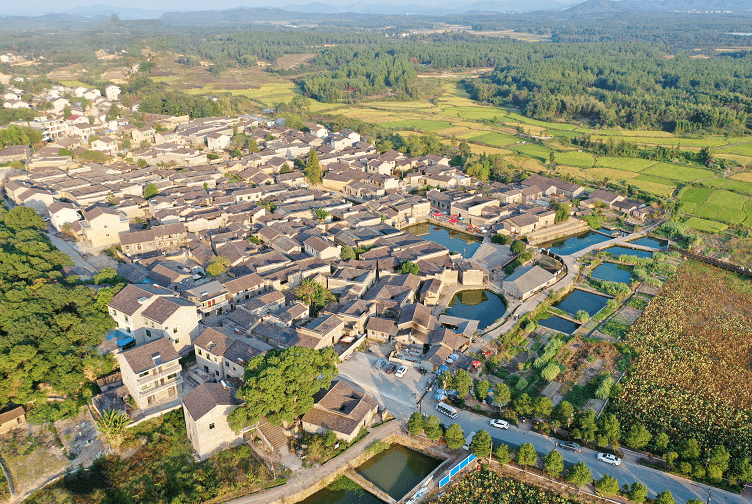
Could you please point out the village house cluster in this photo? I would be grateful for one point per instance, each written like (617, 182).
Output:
(258, 218)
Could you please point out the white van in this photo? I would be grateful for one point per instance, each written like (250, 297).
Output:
(468, 441)
(447, 410)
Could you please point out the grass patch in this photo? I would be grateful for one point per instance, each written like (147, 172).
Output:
(741, 149)
(420, 124)
(738, 186)
(705, 225)
(612, 173)
(748, 211)
(580, 395)
(615, 329)
(533, 150)
(496, 139)
(676, 172)
(742, 177)
(658, 189)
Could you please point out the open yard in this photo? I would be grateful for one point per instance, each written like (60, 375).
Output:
(32, 456)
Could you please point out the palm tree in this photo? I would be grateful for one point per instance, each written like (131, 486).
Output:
(321, 214)
(112, 425)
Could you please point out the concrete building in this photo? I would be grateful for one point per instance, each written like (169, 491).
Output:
(206, 409)
(152, 372)
(526, 281)
(102, 226)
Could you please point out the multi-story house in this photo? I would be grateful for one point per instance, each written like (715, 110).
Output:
(206, 409)
(152, 372)
(210, 299)
(221, 356)
(102, 226)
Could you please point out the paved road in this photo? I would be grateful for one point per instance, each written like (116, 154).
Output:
(360, 371)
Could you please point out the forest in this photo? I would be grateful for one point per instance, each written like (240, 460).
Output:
(48, 325)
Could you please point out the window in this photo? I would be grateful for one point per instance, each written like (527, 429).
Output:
(216, 373)
(211, 426)
(227, 364)
(126, 318)
(146, 386)
(143, 374)
(199, 351)
(148, 333)
(174, 331)
(114, 313)
(177, 340)
(173, 375)
(128, 329)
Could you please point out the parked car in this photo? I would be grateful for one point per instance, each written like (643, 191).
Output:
(389, 369)
(380, 363)
(499, 424)
(401, 371)
(570, 445)
(609, 459)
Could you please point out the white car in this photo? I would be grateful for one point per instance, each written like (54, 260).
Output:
(609, 459)
(400, 372)
(499, 424)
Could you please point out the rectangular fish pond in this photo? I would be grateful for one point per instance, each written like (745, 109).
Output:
(398, 470)
(559, 324)
(582, 300)
(482, 305)
(343, 490)
(574, 243)
(649, 242)
(612, 272)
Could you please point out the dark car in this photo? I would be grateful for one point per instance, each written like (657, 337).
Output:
(570, 445)
(390, 368)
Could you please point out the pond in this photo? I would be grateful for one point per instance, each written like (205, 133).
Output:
(618, 250)
(559, 324)
(582, 300)
(649, 242)
(482, 305)
(455, 241)
(612, 272)
(342, 491)
(575, 243)
(397, 470)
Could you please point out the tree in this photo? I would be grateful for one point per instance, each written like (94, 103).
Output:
(150, 190)
(112, 425)
(142, 163)
(67, 111)
(347, 252)
(607, 485)
(432, 427)
(313, 168)
(563, 412)
(582, 316)
(280, 384)
(550, 372)
(481, 390)
(23, 217)
(554, 463)
(609, 428)
(604, 389)
(526, 455)
(542, 407)
(689, 449)
(415, 423)
(670, 458)
(217, 265)
(501, 394)
(481, 444)
(321, 214)
(518, 247)
(579, 474)
(661, 441)
(501, 239)
(455, 438)
(330, 438)
(637, 493)
(743, 469)
(314, 294)
(714, 473)
(502, 454)
(586, 425)
(523, 405)
(720, 457)
(409, 267)
(664, 497)
(637, 437)
(461, 382)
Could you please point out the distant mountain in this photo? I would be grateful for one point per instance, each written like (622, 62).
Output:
(108, 10)
(597, 8)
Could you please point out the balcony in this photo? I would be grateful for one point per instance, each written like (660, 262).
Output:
(154, 375)
(174, 382)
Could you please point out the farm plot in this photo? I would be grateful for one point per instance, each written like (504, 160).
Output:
(533, 150)
(742, 177)
(611, 173)
(573, 158)
(676, 172)
(727, 199)
(748, 210)
(744, 149)
(573, 171)
(694, 195)
(487, 486)
(692, 378)
(653, 187)
(705, 225)
(419, 124)
(738, 186)
(497, 139)
(628, 164)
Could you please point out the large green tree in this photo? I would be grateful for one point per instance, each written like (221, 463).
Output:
(455, 438)
(526, 455)
(313, 168)
(481, 444)
(281, 384)
(554, 463)
(314, 294)
(579, 474)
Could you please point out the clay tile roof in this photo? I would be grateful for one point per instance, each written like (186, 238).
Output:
(213, 341)
(12, 414)
(162, 308)
(127, 300)
(204, 398)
